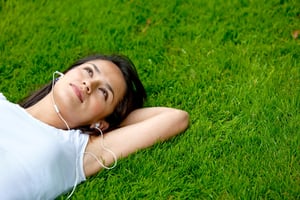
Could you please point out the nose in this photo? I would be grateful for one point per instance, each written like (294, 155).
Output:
(87, 86)
(90, 85)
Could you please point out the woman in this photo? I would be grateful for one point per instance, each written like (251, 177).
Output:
(54, 141)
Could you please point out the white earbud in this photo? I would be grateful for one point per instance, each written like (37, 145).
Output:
(97, 125)
(59, 73)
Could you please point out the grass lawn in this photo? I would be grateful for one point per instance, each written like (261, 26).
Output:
(233, 65)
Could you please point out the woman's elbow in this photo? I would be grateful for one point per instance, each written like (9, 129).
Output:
(183, 120)
(176, 122)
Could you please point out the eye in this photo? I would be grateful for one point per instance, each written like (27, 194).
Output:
(104, 92)
(89, 71)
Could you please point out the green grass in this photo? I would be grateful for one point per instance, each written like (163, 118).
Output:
(233, 65)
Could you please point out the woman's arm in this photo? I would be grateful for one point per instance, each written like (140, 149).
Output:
(141, 129)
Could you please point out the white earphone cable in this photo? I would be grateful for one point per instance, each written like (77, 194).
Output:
(89, 153)
(67, 125)
(55, 106)
(106, 149)
(76, 179)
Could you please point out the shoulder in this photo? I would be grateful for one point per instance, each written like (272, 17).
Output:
(2, 97)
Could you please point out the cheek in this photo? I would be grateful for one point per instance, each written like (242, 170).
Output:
(97, 109)
(74, 75)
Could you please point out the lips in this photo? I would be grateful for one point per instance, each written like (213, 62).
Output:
(77, 92)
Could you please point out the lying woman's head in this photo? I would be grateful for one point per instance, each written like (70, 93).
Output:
(102, 87)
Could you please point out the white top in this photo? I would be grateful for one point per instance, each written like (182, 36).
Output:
(37, 161)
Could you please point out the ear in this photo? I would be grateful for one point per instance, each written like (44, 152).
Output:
(103, 125)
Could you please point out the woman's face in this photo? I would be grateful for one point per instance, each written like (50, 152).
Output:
(90, 92)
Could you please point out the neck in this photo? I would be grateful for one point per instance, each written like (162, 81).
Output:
(44, 111)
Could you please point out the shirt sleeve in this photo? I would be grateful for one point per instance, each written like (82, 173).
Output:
(2, 97)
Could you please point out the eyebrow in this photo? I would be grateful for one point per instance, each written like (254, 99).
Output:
(99, 72)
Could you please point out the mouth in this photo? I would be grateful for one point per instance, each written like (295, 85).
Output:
(77, 92)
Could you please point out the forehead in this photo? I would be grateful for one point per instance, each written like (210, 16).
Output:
(106, 68)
